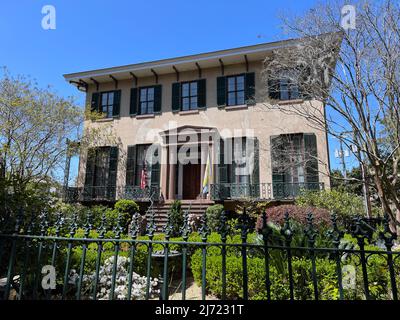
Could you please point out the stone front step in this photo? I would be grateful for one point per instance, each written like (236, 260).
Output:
(196, 207)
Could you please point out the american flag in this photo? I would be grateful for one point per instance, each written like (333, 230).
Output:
(143, 177)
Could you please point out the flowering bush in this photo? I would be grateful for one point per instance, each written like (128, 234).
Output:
(194, 221)
(121, 281)
(296, 213)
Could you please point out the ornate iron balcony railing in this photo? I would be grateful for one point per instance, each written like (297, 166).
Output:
(73, 194)
(261, 191)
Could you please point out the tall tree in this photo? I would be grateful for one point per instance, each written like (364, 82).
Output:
(354, 69)
(34, 126)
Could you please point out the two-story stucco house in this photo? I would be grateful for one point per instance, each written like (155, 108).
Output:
(210, 103)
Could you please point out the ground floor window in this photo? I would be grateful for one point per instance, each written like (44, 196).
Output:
(294, 163)
(143, 165)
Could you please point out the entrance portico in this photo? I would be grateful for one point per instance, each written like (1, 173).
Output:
(185, 152)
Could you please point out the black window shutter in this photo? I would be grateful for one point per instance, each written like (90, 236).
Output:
(94, 105)
(255, 176)
(278, 176)
(89, 173)
(116, 103)
(176, 97)
(201, 93)
(304, 85)
(133, 102)
(311, 160)
(157, 99)
(222, 166)
(273, 89)
(250, 88)
(221, 91)
(155, 168)
(130, 166)
(112, 173)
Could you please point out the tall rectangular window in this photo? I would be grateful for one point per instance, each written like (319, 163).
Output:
(147, 160)
(146, 100)
(236, 90)
(107, 103)
(294, 163)
(288, 90)
(189, 96)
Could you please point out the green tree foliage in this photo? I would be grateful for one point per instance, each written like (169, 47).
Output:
(34, 126)
(344, 204)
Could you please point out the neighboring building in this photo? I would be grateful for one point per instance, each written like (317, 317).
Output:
(203, 96)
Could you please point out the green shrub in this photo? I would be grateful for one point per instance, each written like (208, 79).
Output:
(176, 217)
(327, 282)
(126, 206)
(302, 279)
(214, 216)
(125, 209)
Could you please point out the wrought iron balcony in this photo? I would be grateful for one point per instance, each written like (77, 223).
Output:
(138, 194)
(86, 194)
(261, 191)
(91, 193)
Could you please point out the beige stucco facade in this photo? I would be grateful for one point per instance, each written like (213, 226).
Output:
(228, 121)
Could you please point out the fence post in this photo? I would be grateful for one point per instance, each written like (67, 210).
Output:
(287, 232)
(135, 229)
(360, 234)
(204, 232)
(244, 227)
(185, 231)
(88, 227)
(311, 235)
(11, 263)
(43, 229)
(266, 232)
(118, 231)
(336, 235)
(102, 234)
(151, 227)
(223, 231)
(72, 232)
(167, 231)
(388, 237)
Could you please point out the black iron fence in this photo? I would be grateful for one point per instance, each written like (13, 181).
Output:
(65, 257)
(260, 191)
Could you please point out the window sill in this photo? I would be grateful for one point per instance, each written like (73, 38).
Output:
(188, 112)
(288, 102)
(104, 120)
(145, 116)
(238, 107)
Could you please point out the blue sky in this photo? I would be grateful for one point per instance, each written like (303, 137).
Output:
(97, 34)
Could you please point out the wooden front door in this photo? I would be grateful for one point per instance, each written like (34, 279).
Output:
(191, 181)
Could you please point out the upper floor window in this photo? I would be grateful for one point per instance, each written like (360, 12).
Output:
(189, 96)
(289, 89)
(235, 90)
(288, 85)
(107, 102)
(146, 100)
